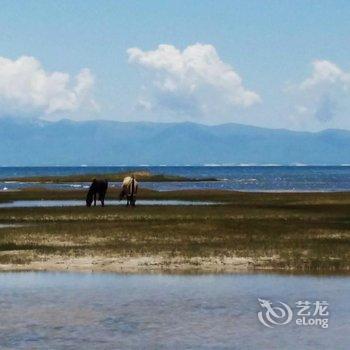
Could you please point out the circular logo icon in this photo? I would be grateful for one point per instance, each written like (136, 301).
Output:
(274, 315)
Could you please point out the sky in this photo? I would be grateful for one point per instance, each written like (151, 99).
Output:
(275, 64)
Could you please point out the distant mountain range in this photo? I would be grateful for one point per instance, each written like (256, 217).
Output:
(35, 143)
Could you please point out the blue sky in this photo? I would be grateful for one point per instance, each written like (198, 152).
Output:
(266, 63)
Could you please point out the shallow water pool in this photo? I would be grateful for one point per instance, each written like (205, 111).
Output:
(78, 203)
(9, 225)
(111, 311)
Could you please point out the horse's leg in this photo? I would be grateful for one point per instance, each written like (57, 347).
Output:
(101, 197)
(95, 199)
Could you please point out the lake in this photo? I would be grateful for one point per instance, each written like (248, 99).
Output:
(241, 178)
(111, 311)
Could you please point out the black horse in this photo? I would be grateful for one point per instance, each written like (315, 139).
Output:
(97, 187)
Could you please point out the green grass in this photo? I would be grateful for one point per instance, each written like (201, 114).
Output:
(289, 232)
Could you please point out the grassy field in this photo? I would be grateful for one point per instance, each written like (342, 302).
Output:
(298, 232)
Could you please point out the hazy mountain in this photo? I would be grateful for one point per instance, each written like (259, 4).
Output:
(34, 142)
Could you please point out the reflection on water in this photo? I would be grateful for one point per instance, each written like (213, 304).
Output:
(77, 203)
(109, 311)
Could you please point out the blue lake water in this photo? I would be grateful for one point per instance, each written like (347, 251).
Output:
(242, 178)
(111, 311)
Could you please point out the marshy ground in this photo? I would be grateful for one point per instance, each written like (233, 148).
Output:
(298, 232)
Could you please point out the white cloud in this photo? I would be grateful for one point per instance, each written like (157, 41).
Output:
(194, 82)
(144, 105)
(324, 96)
(325, 73)
(26, 88)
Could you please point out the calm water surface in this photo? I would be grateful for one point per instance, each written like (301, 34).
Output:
(110, 311)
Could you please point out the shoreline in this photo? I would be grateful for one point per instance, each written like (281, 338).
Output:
(142, 176)
(144, 265)
(134, 265)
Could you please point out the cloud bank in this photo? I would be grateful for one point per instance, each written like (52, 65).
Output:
(26, 88)
(324, 95)
(194, 82)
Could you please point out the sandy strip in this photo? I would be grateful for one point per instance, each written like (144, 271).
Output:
(142, 264)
